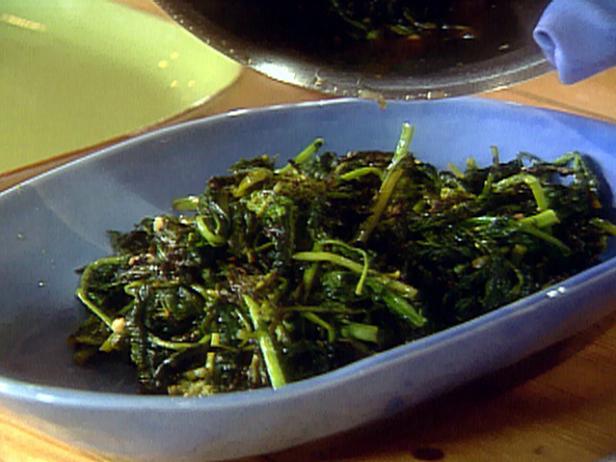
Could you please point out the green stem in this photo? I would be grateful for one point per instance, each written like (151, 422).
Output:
(471, 163)
(529, 229)
(303, 156)
(525, 227)
(310, 273)
(329, 257)
(404, 309)
(266, 344)
(210, 236)
(406, 290)
(542, 219)
(392, 175)
(604, 225)
(186, 204)
(455, 170)
(398, 286)
(315, 319)
(364, 273)
(360, 331)
(81, 295)
(82, 291)
(359, 172)
(495, 156)
(487, 186)
(252, 178)
(177, 346)
(532, 182)
(323, 309)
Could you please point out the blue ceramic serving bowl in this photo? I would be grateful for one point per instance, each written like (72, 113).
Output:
(57, 222)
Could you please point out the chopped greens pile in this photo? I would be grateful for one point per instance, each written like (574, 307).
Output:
(272, 275)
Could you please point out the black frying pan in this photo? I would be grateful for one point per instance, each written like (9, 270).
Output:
(299, 42)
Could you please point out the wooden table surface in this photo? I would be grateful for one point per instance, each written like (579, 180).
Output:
(558, 405)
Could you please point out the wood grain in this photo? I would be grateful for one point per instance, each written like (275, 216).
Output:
(559, 405)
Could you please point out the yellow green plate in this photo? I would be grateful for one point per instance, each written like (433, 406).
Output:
(74, 73)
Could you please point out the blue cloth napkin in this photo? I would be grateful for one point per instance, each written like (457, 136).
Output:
(578, 37)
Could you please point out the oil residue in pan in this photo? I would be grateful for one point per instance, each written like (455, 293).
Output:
(460, 32)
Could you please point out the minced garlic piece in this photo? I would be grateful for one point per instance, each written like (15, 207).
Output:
(159, 224)
(118, 325)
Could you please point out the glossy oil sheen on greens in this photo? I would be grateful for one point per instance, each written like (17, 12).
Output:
(272, 275)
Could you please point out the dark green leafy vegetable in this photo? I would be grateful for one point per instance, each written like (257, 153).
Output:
(274, 274)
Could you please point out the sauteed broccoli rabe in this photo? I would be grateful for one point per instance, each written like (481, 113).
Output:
(272, 275)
